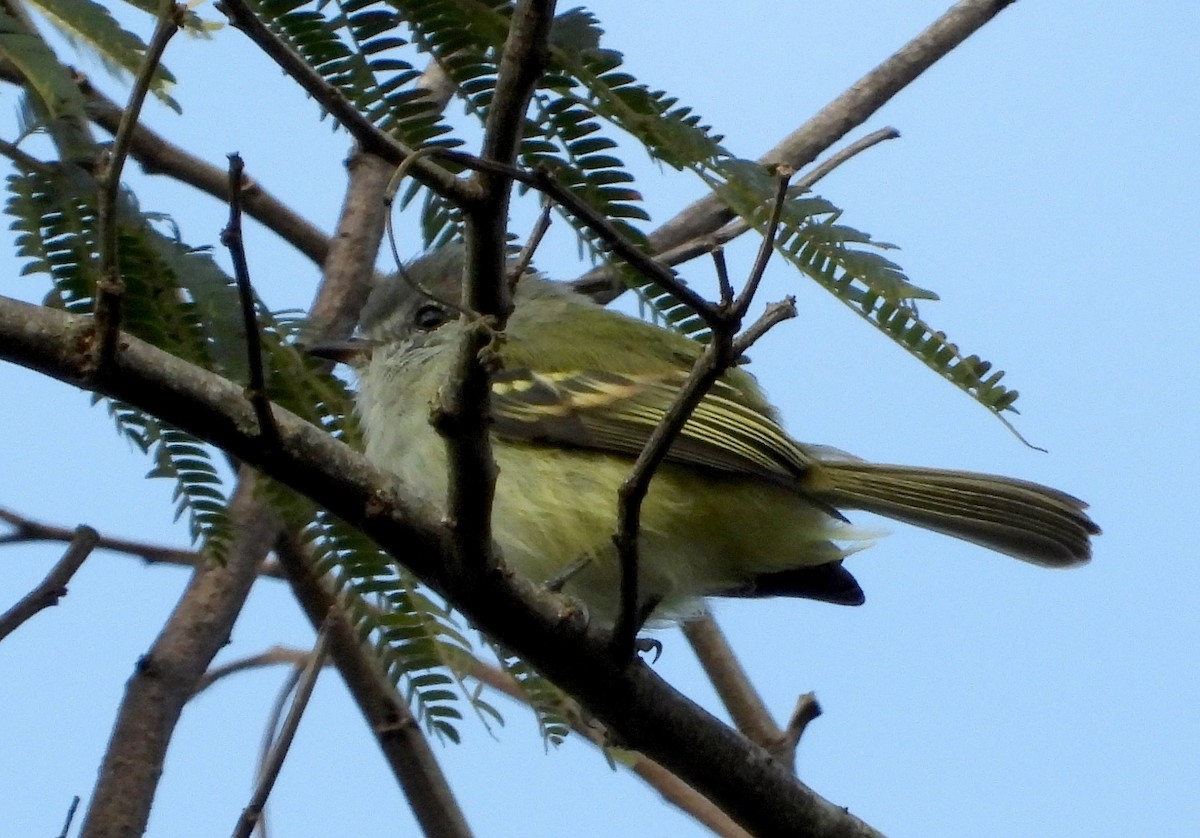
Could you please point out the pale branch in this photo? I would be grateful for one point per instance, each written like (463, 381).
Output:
(369, 137)
(733, 687)
(632, 701)
(26, 530)
(388, 716)
(849, 110)
(270, 727)
(274, 656)
(54, 586)
(274, 761)
(166, 676)
(807, 709)
(350, 261)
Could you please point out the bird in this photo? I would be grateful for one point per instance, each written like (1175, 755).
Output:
(737, 509)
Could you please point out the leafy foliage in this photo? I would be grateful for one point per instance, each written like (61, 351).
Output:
(353, 47)
(418, 641)
(92, 26)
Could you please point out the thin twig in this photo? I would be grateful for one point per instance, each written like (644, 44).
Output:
(722, 352)
(765, 248)
(231, 237)
(110, 288)
(271, 728)
(27, 530)
(274, 761)
(54, 586)
(531, 244)
(70, 817)
(274, 656)
(722, 269)
(807, 709)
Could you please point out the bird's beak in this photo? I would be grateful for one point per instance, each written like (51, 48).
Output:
(351, 351)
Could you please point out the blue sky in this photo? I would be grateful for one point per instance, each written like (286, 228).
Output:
(1045, 186)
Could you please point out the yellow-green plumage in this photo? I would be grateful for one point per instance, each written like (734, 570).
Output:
(738, 508)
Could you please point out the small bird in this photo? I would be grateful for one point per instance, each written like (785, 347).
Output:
(737, 509)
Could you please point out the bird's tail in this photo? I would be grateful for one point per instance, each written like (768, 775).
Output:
(1024, 520)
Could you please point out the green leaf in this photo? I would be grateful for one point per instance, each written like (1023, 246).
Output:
(49, 78)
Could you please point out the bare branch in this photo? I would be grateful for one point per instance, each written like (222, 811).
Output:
(26, 530)
(274, 760)
(231, 237)
(54, 586)
(70, 817)
(722, 352)
(350, 262)
(166, 676)
(807, 709)
(843, 114)
(273, 656)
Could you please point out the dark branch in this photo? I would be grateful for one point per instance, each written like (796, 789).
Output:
(231, 237)
(54, 586)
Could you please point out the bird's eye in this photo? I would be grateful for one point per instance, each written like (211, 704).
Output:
(430, 316)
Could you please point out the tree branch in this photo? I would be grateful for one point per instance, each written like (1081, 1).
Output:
(274, 761)
(637, 705)
(404, 746)
(26, 530)
(166, 676)
(54, 586)
(849, 110)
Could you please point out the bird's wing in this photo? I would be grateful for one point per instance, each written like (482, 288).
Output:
(616, 412)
